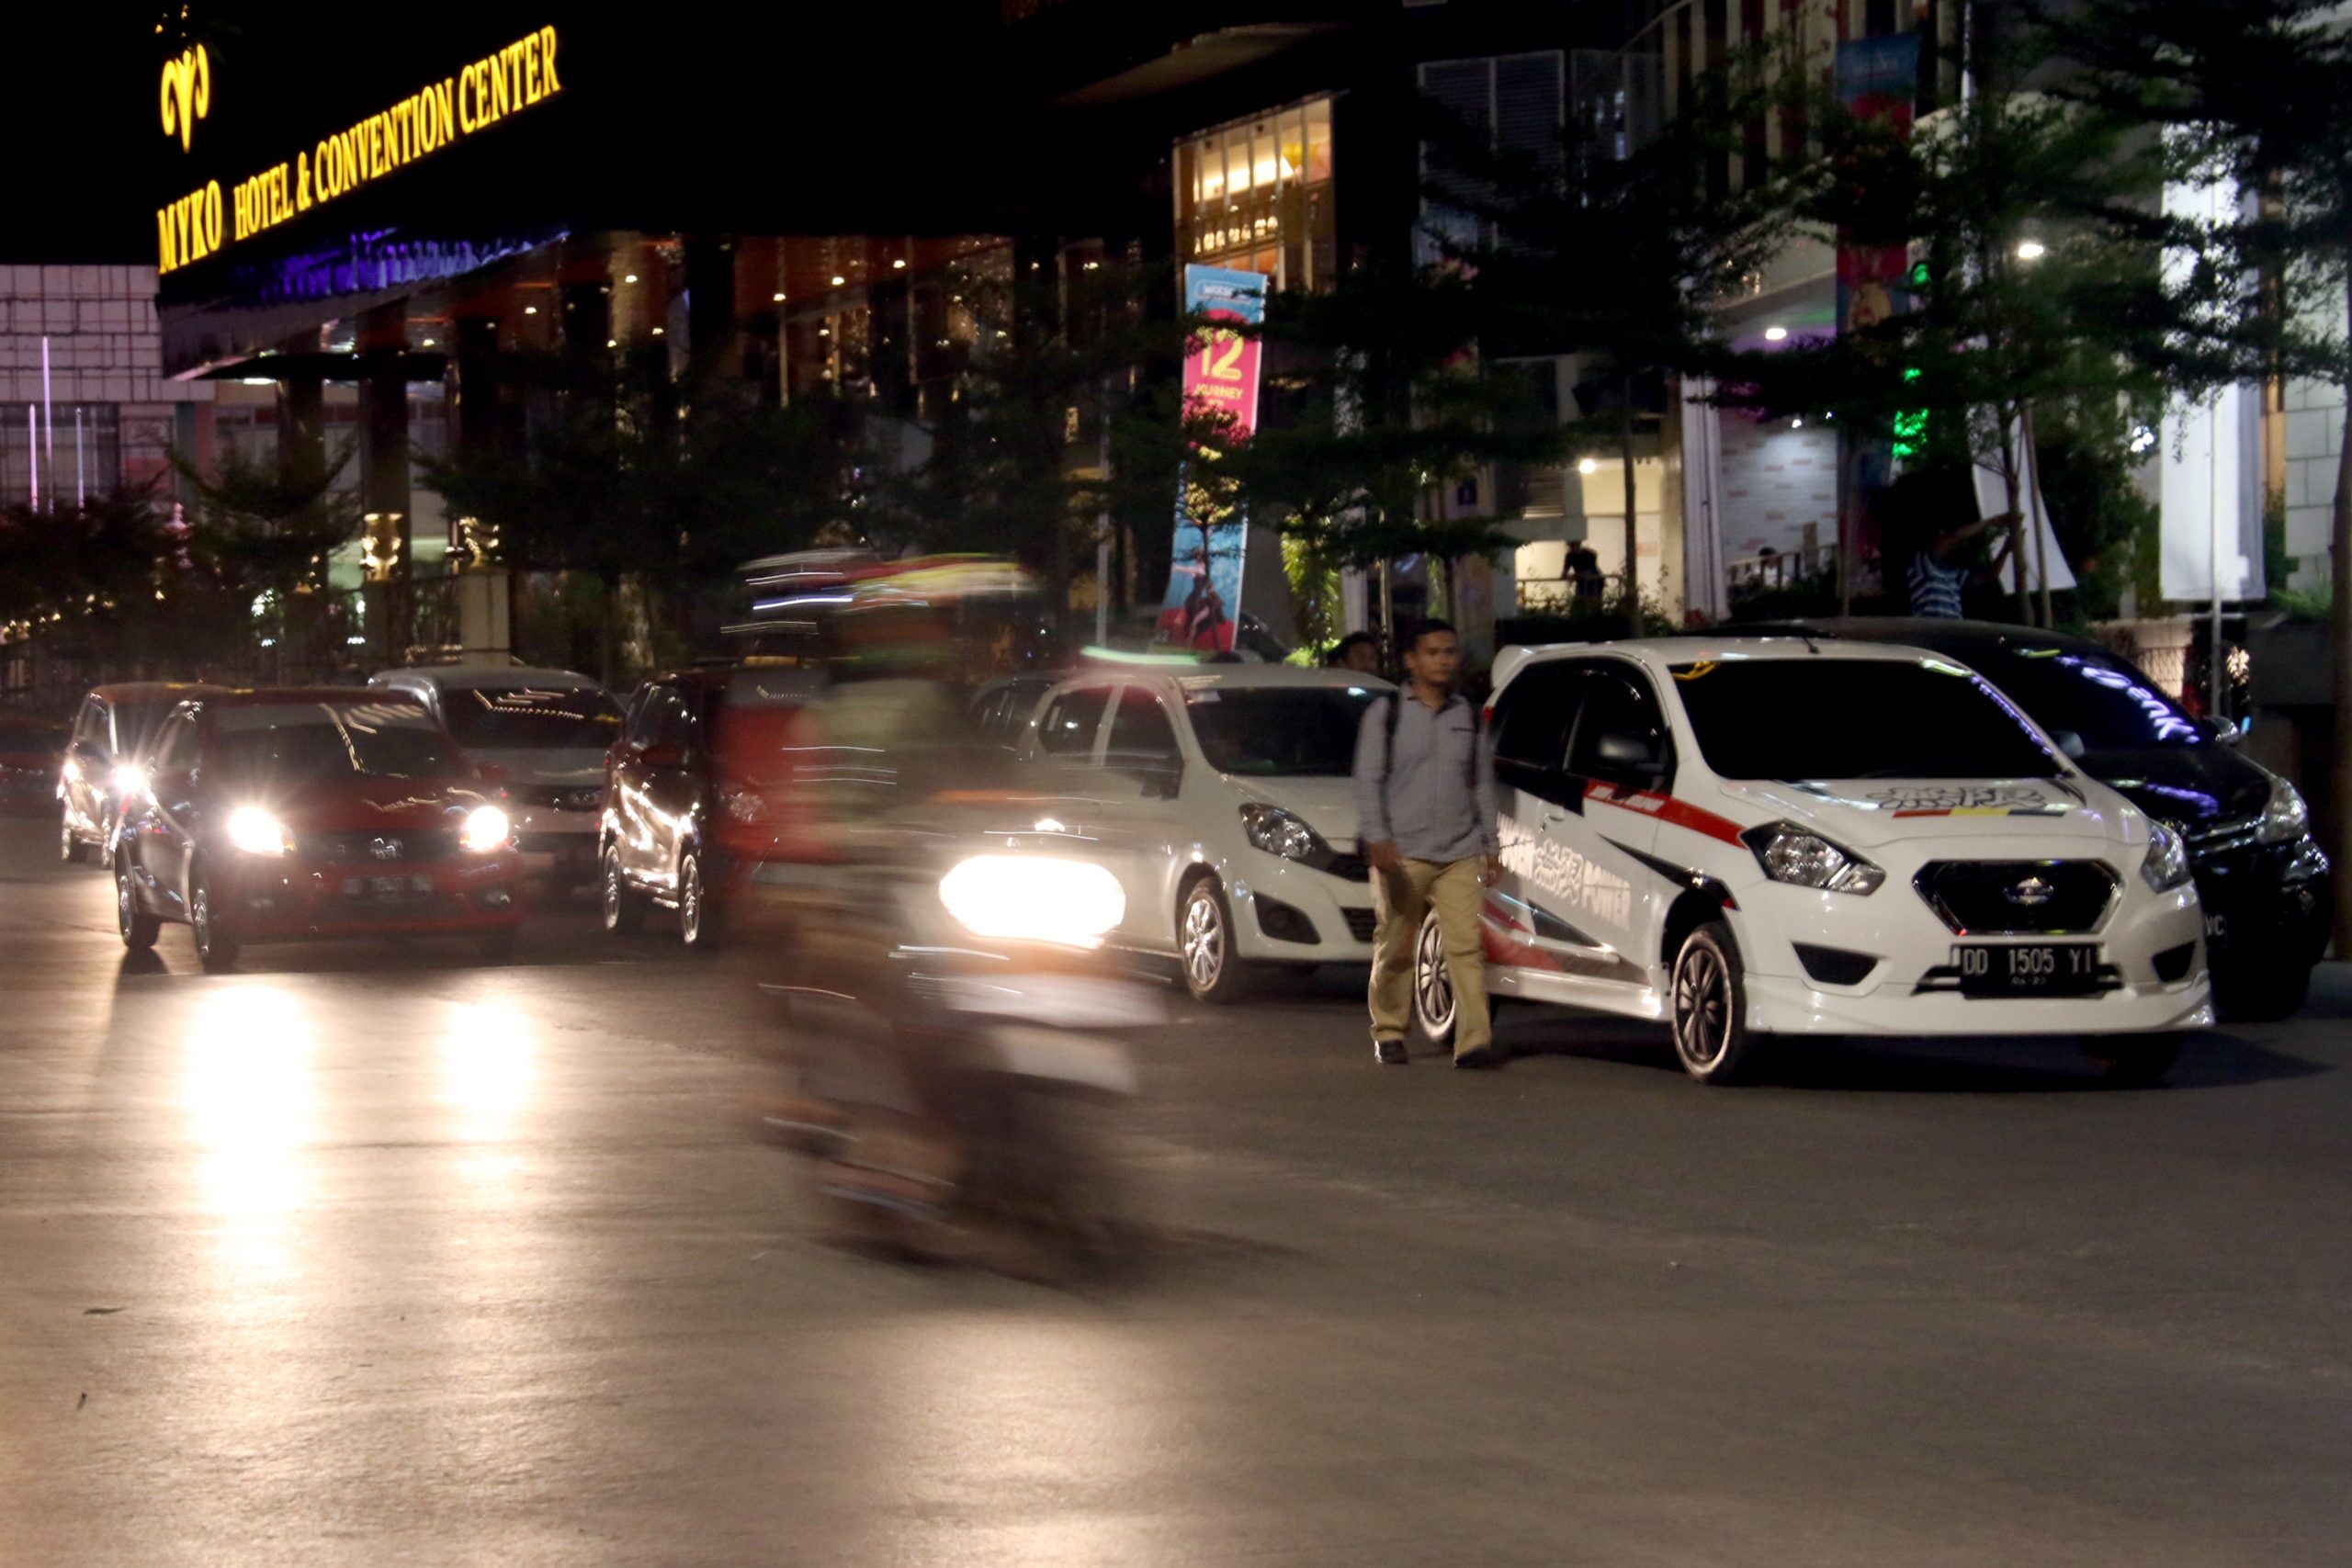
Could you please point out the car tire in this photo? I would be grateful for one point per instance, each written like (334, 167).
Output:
(2263, 991)
(623, 907)
(215, 948)
(1212, 974)
(698, 921)
(2132, 1061)
(1707, 1007)
(71, 851)
(139, 929)
(1433, 984)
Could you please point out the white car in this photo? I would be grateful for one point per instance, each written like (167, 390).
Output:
(547, 731)
(1245, 769)
(1751, 838)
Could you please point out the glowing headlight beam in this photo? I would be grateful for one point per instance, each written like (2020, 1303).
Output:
(1072, 903)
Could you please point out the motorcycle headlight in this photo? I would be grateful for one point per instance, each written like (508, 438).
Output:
(256, 832)
(1803, 859)
(1278, 832)
(128, 780)
(2167, 865)
(2286, 818)
(1073, 903)
(485, 829)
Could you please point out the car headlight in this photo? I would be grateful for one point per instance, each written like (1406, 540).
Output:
(485, 829)
(1278, 832)
(256, 832)
(1074, 902)
(2286, 818)
(1803, 859)
(128, 780)
(2167, 865)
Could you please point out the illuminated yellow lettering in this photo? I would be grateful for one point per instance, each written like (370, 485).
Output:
(302, 181)
(166, 256)
(444, 97)
(547, 60)
(502, 102)
(244, 209)
(512, 55)
(212, 215)
(531, 69)
(375, 146)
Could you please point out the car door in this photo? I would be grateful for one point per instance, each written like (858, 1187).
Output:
(1621, 761)
(1144, 761)
(1564, 910)
(172, 814)
(87, 781)
(637, 841)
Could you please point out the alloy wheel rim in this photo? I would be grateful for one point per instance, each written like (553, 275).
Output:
(123, 909)
(611, 891)
(1434, 986)
(1203, 942)
(1702, 1008)
(200, 917)
(690, 901)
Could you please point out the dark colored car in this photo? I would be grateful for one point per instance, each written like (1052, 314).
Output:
(2264, 881)
(105, 764)
(700, 785)
(296, 814)
(32, 750)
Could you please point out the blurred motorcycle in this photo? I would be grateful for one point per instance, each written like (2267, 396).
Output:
(954, 1018)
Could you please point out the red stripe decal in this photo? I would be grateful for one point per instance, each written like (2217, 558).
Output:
(1667, 809)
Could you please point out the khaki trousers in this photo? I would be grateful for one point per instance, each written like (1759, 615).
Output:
(1403, 899)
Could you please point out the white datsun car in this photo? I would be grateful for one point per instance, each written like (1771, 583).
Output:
(1767, 836)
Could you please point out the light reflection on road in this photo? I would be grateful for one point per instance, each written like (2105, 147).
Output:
(249, 1088)
(489, 1069)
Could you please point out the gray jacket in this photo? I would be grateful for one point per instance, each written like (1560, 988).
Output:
(1418, 790)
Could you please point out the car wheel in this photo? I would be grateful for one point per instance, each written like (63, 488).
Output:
(70, 849)
(2128, 1061)
(624, 906)
(139, 929)
(2261, 991)
(698, 922)
(1205, 945)
(215, 948)
(1433, 984)
(1707, 1005)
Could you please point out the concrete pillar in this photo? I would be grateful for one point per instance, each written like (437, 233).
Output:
(381, 344)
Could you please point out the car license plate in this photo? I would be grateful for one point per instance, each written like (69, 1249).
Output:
(386, 887)
(2027, 969)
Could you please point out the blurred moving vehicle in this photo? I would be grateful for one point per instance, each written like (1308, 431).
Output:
(296, 814)
(545, 732)
(952, 1008)
(32, 757)
(105, 764)
(2264, 883)
(1747, 838)
(1001, 709)
(1247, 768)
(655, 842)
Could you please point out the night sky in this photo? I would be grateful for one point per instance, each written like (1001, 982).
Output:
(80, 113)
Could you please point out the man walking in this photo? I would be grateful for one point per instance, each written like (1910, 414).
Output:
(1425, 795)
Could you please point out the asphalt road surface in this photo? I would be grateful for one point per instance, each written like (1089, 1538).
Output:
(376, 1255)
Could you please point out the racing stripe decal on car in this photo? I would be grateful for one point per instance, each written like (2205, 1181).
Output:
(1682, 876)
(1666, 808)
(1512, 945)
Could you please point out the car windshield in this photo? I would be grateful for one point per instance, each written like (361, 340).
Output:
(1279, 732)
(136, 723)
(1854, 719)
(293, 741)
(2097, 696)
(531, 719)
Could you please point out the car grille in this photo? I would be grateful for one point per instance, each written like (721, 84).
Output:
(1362, 924)
(2221, 838)
(570, 797)
(362, 848)
(2017, 897)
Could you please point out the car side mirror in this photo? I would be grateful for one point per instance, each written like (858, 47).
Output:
(2070, 743)
(1629, 751)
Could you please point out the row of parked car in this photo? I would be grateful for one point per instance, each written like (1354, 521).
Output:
(1840, 828)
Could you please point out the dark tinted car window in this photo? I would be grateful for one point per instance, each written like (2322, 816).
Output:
(279, 742)
(1279, 732)
(1068, 729)
(531, 717)
(1850, 719)
(1532, 730)
(2098, 696)
(1140, 730)
(1618, 703)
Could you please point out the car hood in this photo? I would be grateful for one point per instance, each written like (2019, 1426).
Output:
(354, 804)
(1326, 804)
(1860, 813)
(2190, 786)
(543, 764)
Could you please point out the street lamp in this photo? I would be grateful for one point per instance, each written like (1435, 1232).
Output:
(2031, 249)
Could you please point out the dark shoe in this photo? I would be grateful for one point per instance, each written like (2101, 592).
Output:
(1388, 1052)
(1483, 1058)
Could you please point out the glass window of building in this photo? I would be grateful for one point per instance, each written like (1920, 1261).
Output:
(1256, 195)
